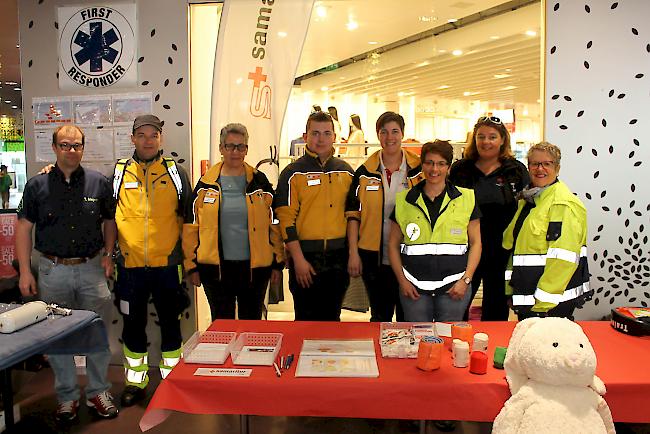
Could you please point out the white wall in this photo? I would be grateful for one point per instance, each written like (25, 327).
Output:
(599, 117)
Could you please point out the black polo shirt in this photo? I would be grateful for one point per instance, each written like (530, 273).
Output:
(68, 215)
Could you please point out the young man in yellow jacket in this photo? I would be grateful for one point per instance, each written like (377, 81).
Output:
(310, 204)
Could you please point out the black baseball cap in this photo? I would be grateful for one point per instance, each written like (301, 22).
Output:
(152, 120)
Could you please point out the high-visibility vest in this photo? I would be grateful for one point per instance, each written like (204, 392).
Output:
(548, 264)
(434, 258)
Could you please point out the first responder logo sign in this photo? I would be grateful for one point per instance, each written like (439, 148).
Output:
(97, 46)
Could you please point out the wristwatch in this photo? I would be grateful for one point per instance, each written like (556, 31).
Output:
(467, 280)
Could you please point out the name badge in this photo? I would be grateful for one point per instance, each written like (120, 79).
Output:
(455, 231)
(209, 199)
(130, 185)
(312, 182)
(372, 188)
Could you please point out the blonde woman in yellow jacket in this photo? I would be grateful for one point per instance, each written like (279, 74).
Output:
(230, 243)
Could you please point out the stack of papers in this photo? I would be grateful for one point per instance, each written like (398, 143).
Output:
(337, 358)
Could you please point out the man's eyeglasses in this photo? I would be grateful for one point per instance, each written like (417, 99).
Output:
(441, 164)
(67, 146)
(241, 147)
(538, 164)
(491, 119)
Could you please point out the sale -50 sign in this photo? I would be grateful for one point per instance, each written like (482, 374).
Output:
(7, 244)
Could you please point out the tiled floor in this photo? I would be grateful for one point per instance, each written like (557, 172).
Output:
(37, 400)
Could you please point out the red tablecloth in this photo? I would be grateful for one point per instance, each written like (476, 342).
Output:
(401, 392)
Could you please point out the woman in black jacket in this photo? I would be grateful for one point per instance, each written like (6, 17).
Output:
(496, 176)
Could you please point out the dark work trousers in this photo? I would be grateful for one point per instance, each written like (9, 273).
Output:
(382, 287)
(491, 270)
(323, 299)
(238, 285)
(133, 288)
(562, 310)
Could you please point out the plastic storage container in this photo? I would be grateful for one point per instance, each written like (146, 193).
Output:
(256, 348)
(208, 347)
(401, 339)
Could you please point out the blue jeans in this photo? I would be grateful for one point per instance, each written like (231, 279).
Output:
(81, 286)
(435, 307)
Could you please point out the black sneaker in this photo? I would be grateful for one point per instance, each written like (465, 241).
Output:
(67, 411)
(132, 395)
(103, 405)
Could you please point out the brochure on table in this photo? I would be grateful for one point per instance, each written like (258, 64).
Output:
(337, 358)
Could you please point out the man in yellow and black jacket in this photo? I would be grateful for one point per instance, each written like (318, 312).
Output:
(151, 193)
(310, 204)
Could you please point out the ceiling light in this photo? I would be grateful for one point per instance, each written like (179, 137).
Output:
(494, 37)
(457, 52)
(352, 25)
(14, 106)
(373, 42)
(400, 93)
(531, 33)
(324, 88)
(321, 11)
(282, 34)
(502, 75)
(467, 93)
(17, 89)
(342, 78)
(425, 63)
(239, 80)
(508, 69)
(17, 45)
(442, 51)
(444, 86)
(509, 88)
(8, 101)
(452, 20)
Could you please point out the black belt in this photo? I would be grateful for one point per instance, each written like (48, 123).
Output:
(69, 261)
(313, 246)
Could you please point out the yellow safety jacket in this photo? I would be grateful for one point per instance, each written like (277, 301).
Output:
(151, 200)
(548, 263)
(201, 229)
(365, 201)
(434, 258)
(310, 202)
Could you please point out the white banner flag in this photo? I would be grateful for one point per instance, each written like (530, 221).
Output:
(258, 49)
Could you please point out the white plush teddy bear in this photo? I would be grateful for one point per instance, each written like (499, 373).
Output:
(550, 367)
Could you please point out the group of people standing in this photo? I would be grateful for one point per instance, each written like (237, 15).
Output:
(422, 231)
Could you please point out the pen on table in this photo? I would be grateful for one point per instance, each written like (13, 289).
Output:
(289, 360)
(282, 362)
(277, 370)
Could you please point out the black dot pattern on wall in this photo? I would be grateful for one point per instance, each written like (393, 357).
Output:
(556, 6)
(166, 106)
(31, 24)
(614, 5)
(166, 83)
(553, 49)
(153, 32)
(589, 44)
(179, 124)
(587, 9)
(180, 80)
(144, 83)
(30, 63)
(141, 59)
(170, 60)
(157, 97)
(635, 31)
(174, 47)
(174, 154)
(56, 25)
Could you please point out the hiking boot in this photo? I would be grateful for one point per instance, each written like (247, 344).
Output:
(103, 405)
(131, 395)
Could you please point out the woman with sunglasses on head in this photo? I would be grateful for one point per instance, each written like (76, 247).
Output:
(547, 271)
(489, 168)
(370, 201)
(230, 243)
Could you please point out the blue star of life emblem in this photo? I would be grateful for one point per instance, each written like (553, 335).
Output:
(96, 46)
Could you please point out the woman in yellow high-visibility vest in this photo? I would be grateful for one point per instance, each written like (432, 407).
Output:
(435, 241)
